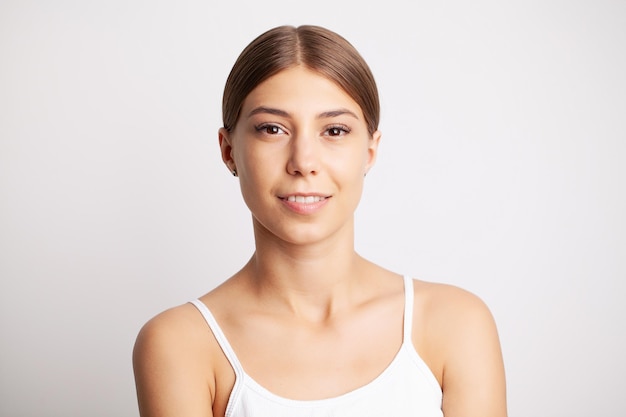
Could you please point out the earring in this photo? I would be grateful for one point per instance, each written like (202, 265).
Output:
(234, 172)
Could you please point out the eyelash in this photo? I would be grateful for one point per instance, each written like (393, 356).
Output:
(266, 127)
(343, 130)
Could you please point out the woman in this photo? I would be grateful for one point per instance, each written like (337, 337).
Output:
(308, 327)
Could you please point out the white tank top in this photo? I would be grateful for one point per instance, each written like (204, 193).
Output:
(406, 388)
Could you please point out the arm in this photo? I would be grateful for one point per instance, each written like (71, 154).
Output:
(170, 376)
(473, 379)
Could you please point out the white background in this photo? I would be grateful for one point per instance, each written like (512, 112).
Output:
(502, 170)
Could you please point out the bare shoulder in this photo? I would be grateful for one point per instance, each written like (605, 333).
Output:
(173, 366)
(454, 305)
(175, 319)
(450, 320)
(456, 334)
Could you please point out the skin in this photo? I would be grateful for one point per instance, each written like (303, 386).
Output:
(307, 316)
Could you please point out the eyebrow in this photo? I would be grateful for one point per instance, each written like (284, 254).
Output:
(282, 113)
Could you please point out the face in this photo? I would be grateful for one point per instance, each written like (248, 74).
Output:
(301, 150)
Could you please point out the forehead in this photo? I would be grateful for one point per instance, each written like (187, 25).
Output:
(300, 90)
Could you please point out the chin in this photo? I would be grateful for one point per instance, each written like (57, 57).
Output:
(295, 234)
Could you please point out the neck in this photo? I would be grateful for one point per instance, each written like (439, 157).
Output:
(312, 279)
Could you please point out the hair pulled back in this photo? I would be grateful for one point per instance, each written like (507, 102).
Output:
(313, 47)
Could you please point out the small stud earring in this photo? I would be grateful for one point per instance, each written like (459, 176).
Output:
(234, 172)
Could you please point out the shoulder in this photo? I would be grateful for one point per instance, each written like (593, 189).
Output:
(455, 333)
(448, 303)
(170, 331)
(171, 365)
(446, 318)
(168, 340)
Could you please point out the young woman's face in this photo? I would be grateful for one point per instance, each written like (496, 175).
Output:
(301, 149)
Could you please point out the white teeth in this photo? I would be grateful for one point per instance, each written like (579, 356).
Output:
(309, 199)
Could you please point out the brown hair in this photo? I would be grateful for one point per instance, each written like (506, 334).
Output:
(314, 47)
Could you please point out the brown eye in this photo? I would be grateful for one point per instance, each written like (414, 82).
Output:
(337, 131)
(334, 131)
(269, 129)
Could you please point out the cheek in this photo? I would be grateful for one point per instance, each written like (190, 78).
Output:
(350, 167)
(355, 160)
(259, 169)
(252, 160)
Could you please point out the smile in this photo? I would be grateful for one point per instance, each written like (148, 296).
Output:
(306, 199)
(305, 204)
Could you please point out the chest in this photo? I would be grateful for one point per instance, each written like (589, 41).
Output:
(404, 388)
(305, 363)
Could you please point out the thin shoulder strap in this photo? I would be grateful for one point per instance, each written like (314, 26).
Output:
(220, 337)
(408, 308)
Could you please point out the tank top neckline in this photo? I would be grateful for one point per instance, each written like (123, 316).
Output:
(242, 379)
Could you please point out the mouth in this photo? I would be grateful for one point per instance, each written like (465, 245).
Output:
(305, 204)
(305, 199)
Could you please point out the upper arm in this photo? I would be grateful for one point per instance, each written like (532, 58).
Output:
(473, 379)
(168, 378)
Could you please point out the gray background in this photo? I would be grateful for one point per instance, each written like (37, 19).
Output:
(501, 170)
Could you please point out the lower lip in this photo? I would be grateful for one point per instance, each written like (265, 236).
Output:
(304, 208)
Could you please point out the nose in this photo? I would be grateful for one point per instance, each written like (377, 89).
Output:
(304, 155)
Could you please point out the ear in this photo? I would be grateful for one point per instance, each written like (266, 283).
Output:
(372, 150)
(226, 148)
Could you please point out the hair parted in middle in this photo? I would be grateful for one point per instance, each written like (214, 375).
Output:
(314, 47)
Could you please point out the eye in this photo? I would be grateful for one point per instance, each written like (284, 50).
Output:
(336, 131)
(269, 129)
